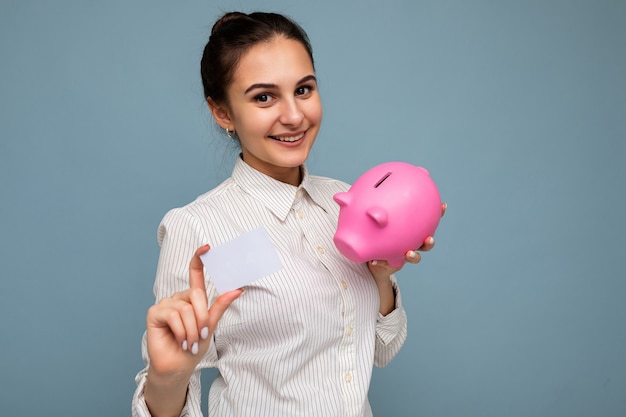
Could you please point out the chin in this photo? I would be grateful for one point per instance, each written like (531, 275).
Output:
(297, 161)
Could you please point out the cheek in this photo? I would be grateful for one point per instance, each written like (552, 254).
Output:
(256, 123)
(313, 111)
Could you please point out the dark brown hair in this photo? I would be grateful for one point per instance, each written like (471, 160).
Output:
(232, 36)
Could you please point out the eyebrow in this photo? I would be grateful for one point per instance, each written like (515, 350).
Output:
(274, 86)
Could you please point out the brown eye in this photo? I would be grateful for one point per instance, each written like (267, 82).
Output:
(262, 98)
(302, 91)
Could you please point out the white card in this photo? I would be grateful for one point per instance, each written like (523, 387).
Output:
(241, 261)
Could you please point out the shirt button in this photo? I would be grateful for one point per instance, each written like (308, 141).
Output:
(300, 214)
(349, 330)
(320, 250)
(348, 377)
(344, 284)
(299, 193)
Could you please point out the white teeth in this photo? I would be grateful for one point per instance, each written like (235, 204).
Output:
(288, 138)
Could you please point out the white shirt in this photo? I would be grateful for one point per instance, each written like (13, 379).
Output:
(299, 342)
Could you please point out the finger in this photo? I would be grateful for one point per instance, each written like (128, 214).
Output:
(444, 207)
(199, 302)
(180, 316)
(163, 315)
(413, 257)
(196, 268)
(188, 317)
(220, 305)
(428, 244)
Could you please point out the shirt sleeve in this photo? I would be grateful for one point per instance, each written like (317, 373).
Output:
(179, 236)
(391, 331)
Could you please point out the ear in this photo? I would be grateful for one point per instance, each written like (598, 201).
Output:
(379, 215)
(220, 114)
(343, 199)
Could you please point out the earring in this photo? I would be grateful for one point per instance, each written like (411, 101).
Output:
(230, 133)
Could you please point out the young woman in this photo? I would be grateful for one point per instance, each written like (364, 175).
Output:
(301, 341)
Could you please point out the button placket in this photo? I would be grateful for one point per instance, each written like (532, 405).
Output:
(347, 344)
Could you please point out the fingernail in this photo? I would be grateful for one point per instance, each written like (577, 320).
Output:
(184, 345)
(412, 254)
(430, 240)
(204, 333)
(194, 348)
(374, 262)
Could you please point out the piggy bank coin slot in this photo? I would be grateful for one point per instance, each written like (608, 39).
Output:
(380, 181)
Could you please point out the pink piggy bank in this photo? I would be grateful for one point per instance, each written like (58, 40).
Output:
(389, 210)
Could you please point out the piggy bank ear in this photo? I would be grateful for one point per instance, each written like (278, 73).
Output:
(379, 215)
(343, 199)
(425, 171)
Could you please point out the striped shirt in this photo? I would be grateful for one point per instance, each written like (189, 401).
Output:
(299, 342)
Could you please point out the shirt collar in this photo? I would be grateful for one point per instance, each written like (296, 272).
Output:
(277, 196)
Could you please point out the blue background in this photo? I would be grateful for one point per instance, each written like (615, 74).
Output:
(518, 109)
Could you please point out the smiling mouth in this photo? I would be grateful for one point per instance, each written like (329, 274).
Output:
(289, 139)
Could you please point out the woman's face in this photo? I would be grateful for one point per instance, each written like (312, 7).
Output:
(275, 108)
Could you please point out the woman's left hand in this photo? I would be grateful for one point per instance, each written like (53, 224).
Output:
(382, 270)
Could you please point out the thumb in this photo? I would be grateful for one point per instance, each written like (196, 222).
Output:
(220, 305)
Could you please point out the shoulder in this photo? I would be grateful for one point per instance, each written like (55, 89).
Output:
(207, 200)
(190, 217)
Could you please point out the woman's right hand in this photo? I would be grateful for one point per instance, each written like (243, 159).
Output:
(179, 327)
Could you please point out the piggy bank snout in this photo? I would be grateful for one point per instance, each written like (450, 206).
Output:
(358, 232)
(350, 248)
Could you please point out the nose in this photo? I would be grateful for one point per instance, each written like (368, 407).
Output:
(291, 113)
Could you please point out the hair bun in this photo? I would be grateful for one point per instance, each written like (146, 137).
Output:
(225, 19)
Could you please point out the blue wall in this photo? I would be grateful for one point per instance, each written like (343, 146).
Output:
(518, 109)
